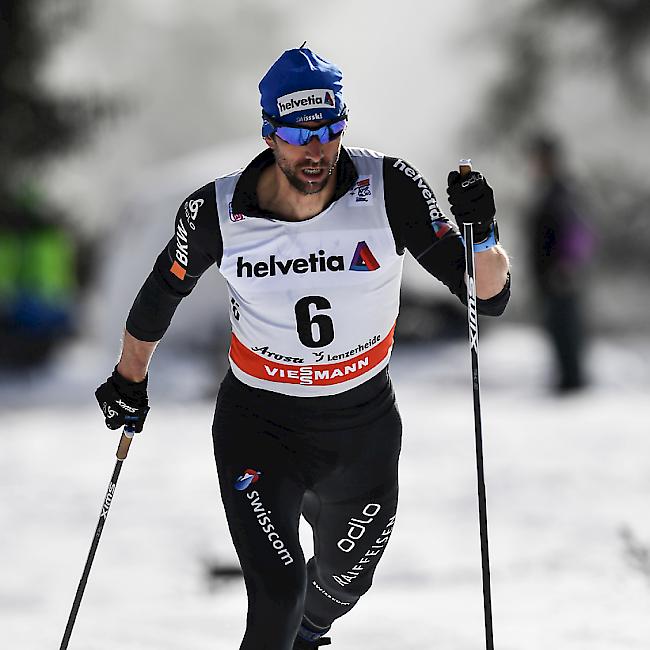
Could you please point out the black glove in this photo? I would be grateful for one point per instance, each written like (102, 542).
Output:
(472, 201)
(123, 402)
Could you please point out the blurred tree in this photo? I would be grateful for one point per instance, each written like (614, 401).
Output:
(580, 69)
(40, 258)
(617, 36)
(625, 26)
(636, 552)
(35, 123)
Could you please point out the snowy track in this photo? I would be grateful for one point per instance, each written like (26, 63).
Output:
(563, 477)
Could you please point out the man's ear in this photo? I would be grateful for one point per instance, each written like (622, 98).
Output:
(270, 141)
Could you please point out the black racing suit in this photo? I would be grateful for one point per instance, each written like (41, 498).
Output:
(331, 458)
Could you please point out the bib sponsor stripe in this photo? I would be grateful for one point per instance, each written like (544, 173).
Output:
(310, 375)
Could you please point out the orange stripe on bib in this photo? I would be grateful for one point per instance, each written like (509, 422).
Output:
(309, 375)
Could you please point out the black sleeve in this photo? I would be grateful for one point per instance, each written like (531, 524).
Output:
(195, 246)
(419, 225)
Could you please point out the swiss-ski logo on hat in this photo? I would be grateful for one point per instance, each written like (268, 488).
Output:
(304, 100)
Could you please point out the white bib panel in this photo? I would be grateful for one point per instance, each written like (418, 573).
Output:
(313, 303)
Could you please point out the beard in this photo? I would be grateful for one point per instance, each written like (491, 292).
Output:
(306, 187)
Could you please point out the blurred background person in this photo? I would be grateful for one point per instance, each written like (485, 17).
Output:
(560, 245)
(38, 285)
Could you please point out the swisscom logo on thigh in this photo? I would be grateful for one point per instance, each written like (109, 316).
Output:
(263, 516)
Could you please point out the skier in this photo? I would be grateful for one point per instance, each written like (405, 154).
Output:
(310, 238)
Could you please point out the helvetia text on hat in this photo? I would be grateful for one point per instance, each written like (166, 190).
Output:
(303, 99)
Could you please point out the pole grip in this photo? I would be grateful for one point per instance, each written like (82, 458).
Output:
(465, 166)
(125, 442)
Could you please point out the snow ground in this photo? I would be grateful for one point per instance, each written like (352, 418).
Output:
(563, 478)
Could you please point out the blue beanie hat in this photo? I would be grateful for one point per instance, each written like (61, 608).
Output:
(299, 87)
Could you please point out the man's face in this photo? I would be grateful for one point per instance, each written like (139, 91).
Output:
(308, 167)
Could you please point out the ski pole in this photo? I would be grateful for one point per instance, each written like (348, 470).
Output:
(122, 451)
(465, 167)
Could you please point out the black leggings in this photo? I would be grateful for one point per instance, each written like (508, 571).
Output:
(333, 459)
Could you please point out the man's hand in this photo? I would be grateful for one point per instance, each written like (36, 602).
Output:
(472, 201)
(123, 402)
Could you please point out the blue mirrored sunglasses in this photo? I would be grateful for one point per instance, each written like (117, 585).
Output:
(299, 136)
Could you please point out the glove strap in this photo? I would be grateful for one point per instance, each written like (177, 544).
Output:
(490, 242)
